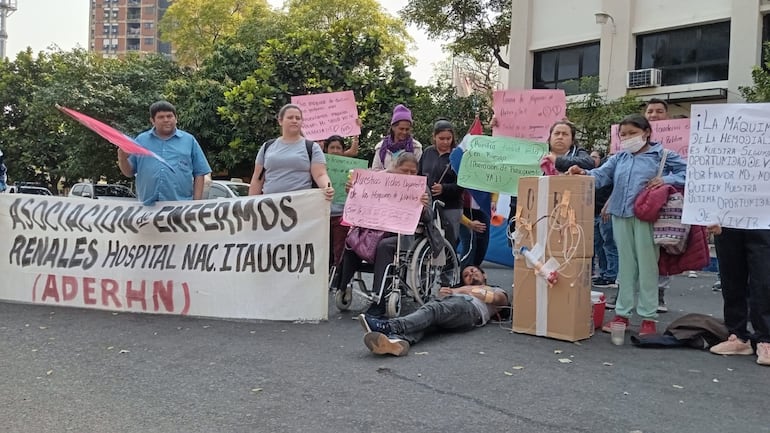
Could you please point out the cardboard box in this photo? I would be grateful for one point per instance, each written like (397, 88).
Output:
(537, 199)
(562, 311)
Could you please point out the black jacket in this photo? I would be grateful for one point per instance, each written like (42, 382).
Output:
(576, 156)
(436, 167)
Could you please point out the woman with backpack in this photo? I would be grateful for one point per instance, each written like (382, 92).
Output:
(630, 172)
(290, 162)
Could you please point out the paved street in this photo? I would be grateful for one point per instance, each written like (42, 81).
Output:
(92, 371)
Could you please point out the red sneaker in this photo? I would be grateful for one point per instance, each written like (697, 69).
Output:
(617, 319)
(647, 328)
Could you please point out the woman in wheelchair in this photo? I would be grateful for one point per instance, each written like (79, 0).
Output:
(406, 163)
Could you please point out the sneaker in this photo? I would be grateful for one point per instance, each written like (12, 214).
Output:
(370, 324)
(608, 326)
(763, 353)
(662, 308)
(717, 287)
(610, 304)
(734, 346)
(692, 274)
(605, 283)
(381, 344)
(647, 328)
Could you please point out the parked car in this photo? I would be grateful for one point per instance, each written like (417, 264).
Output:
(28, 189)
(100, 191)
(226, 189)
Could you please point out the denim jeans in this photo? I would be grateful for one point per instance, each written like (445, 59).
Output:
(605, 248)
(453, 313)
(745, 277)
(474, 245)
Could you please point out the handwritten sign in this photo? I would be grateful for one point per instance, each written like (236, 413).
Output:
(258, 257)
(385, 201)
(328, 114)
(673, 134)
(728, 171)
(495, 164)
(338, 168)
(528, 113)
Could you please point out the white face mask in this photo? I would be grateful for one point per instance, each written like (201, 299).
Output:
(633, 144)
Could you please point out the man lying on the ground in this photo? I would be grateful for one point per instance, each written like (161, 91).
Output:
(459, 309)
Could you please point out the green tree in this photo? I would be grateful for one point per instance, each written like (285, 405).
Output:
(344, 57)
(593, 114)
(194, 27)
(366, 14)
(759, 91)
(474, 28)
(42, 143)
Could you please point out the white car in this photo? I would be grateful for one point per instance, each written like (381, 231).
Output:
(226, 189)
(102, 191)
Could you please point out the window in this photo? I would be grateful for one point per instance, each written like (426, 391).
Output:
(114, 29)
(563, 68)
(765, 40)
(149, 25)
(149, 41)
(690, 55)
(114, 13)
(106, 29)
(218, 191)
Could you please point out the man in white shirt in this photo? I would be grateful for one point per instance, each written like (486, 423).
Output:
(458, 309)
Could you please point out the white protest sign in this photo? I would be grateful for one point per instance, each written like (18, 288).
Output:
(261, 257)
(728, 169)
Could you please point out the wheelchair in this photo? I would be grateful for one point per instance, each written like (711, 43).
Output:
(414, 272)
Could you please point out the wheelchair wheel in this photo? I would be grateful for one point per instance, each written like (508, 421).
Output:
(393, 305)
(344, 298)
(427, 275)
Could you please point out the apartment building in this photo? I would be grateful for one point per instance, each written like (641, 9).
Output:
(118, 27)
(683, 51)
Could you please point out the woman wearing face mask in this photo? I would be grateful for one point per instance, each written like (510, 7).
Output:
(630, 171)
(563, 150)
(442, 180)
(398, 140)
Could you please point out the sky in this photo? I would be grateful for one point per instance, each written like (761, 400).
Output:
(42, 23)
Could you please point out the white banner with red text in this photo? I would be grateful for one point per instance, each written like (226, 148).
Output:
(261, 257)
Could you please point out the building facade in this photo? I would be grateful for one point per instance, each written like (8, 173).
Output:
(682, 51)
(119, 27)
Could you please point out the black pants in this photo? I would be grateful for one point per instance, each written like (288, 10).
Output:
(453, 313)
(351, 263)
(744, 265)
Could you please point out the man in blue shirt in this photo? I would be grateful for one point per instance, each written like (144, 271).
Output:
(154, 181)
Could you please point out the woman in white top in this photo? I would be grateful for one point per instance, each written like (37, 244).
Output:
(398, 140)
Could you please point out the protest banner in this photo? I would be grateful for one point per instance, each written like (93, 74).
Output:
(338, 168)
(385, 201)
(673, 134)
(528, 113)
(728, 170)
(495, 164)
(259, 257)
(328, 114)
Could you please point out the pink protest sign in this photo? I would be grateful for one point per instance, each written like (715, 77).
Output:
(328, 114)
(673, 134)
(528, 113)
(385, 201)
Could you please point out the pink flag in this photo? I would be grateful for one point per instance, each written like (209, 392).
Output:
(112, 135)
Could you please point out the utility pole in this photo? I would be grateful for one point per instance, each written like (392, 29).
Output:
(7, 7)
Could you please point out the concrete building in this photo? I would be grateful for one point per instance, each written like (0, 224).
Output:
(683, 51)
(118, 27)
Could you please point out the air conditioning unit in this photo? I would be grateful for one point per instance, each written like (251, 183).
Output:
(643, 78)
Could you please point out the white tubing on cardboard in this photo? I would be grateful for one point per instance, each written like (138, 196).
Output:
(541, 286)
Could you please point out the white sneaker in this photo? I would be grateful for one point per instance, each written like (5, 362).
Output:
(735, 346)
(763, 353)
(692, 274)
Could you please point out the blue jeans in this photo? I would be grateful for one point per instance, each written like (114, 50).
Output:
(453, 313)
(605, 249)
(473, 246)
